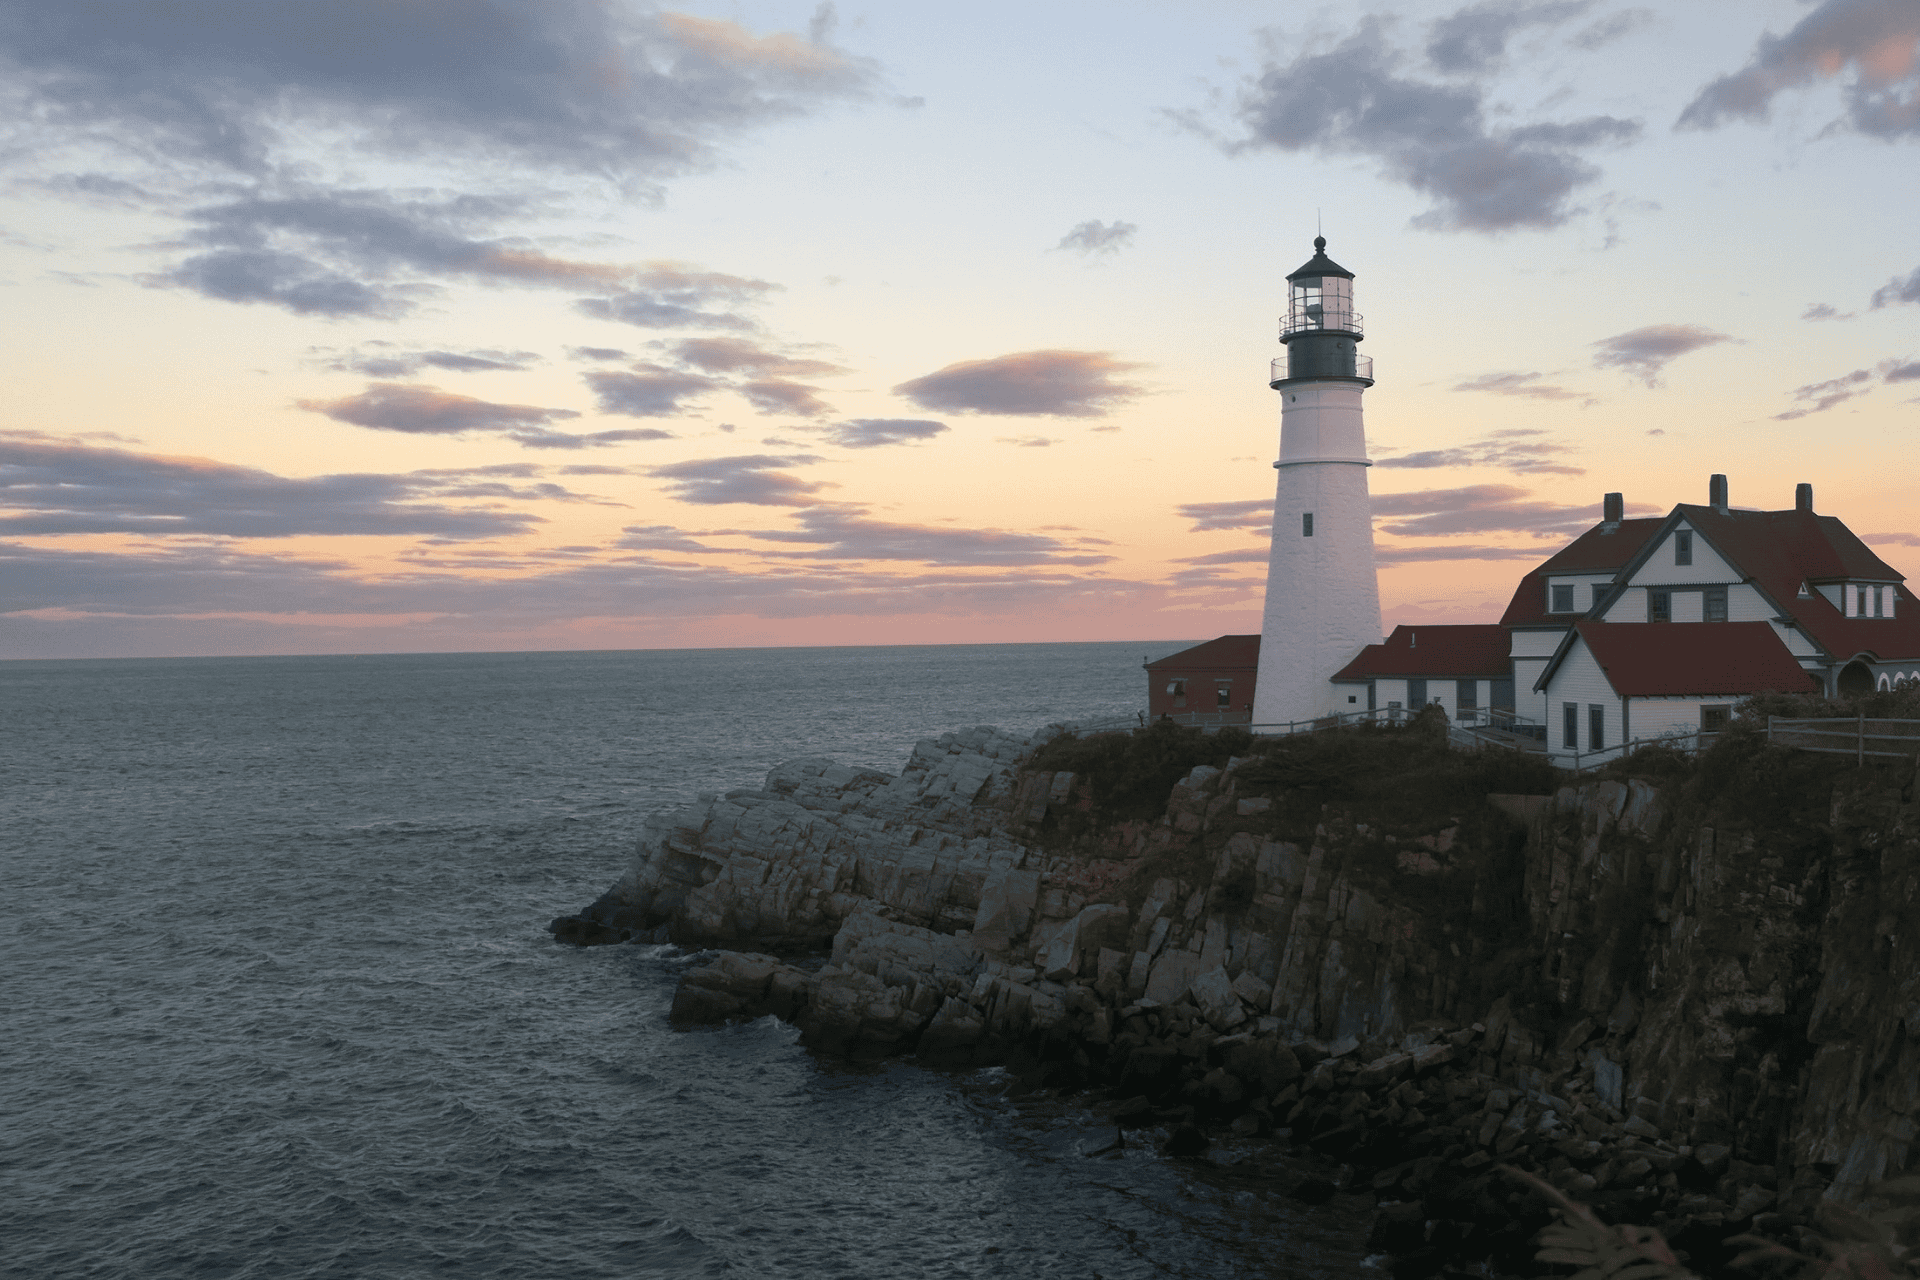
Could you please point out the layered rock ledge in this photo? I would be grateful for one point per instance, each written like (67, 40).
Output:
(1685, 1000)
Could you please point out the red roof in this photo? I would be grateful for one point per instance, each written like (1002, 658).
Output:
(1677, 659)
(1225, 651)
(1461, 652)
(1598, 550)
(1779, 550)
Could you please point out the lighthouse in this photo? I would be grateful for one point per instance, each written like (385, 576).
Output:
(1323, 600)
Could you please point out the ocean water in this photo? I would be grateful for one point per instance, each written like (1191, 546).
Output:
(279, 1000)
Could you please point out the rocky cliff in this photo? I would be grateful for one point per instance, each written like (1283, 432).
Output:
(1690, 996)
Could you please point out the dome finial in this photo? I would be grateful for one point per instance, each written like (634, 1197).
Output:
(1319, 244)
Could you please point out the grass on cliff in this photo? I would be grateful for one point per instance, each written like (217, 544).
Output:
(1131, 774)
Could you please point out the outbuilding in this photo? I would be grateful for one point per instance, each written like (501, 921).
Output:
(1210, 683)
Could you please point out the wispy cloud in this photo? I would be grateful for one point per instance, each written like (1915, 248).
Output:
(1877, 41)
(647, 390)
(1527, 385)
(1356, 98)
(746, 478)
(1059, 384)
(53, 487)
(377, 359)
(1098, 239)
(1646, 352)
(423, 410)
(1516, 449)
(872, 433)
(850, 533)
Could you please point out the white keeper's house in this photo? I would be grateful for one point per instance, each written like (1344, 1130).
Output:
(1637, 629)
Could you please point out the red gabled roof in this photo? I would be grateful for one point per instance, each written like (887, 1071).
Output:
(1224, 651)
(1678, 659)
(1478, 651)
(1779, 550)
(1597, 550)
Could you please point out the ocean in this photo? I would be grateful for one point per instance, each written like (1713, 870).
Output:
(280, 1001)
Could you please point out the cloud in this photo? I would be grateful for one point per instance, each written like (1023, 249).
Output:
(1096, 237)
(1900, 370)
(871, 433)
(51, 487)
(1480, 508)
(1473, 40)
(1898, 290)
(658, 537)
(1878, 40)
(1816, 397)
(388, 361)
(848, 533)
(596, 353)
(434, 610)
(738, 355)
(1423, 555)
(1824, 311)
(1519, 384)
(1645, 352)
(424, 410)
(581, 86)
(650, 391)
(538, 439)
(1245, 555)
(1512, 450)
(667, 295)
(1604, 31)
(778, 395)
(1250, 513)
(1437, 139)
(751, 478)
(1026, 442)
(1060, 384)
(360, 252)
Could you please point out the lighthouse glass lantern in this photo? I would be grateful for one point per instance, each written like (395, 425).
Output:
(1321, 302)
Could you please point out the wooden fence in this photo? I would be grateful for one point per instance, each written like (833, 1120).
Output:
(1861, 737)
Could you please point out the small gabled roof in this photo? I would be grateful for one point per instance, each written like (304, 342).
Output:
(1682, 659)
(1598, 550)
(1223, 651)
(1478, 651)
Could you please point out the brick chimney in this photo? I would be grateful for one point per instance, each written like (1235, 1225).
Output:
(1612, 508)
(1717, 493)
(1803, 497)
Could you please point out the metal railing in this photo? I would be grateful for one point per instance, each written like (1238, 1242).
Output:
(1599, 757)
(1315, 317)
(1843, 736)
(1278, 371)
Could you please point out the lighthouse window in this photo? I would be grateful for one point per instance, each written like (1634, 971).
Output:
(1306, 524)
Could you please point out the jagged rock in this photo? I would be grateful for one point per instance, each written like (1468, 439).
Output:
(1219, 1003)
(735, 985)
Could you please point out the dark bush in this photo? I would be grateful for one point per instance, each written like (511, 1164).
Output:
(1131, 774)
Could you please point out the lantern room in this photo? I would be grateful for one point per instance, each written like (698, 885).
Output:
(1321, 329)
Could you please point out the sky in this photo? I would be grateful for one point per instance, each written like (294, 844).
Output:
(463, 325)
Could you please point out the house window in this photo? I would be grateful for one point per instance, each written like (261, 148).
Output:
(1596, 726)
(1714, 719)
(1223, 695)
(1416, 693)
(1879, 602)
(1306, 524)
(1714, 604)
(1176, 687)
(1570, 726)
(1599, 589)
(1683, 547)
(1562, 601)
(1659, 606)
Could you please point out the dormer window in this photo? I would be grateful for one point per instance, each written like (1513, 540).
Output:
(1683, 546)
(1560, 598)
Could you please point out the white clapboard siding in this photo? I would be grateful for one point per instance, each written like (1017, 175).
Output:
(1660, 570)
(1580, 680)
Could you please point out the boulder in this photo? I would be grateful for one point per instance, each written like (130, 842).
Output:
(1219, 1003)
(1006, 908)
(735, 985)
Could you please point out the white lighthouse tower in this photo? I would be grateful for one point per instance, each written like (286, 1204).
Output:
(1323, 600)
